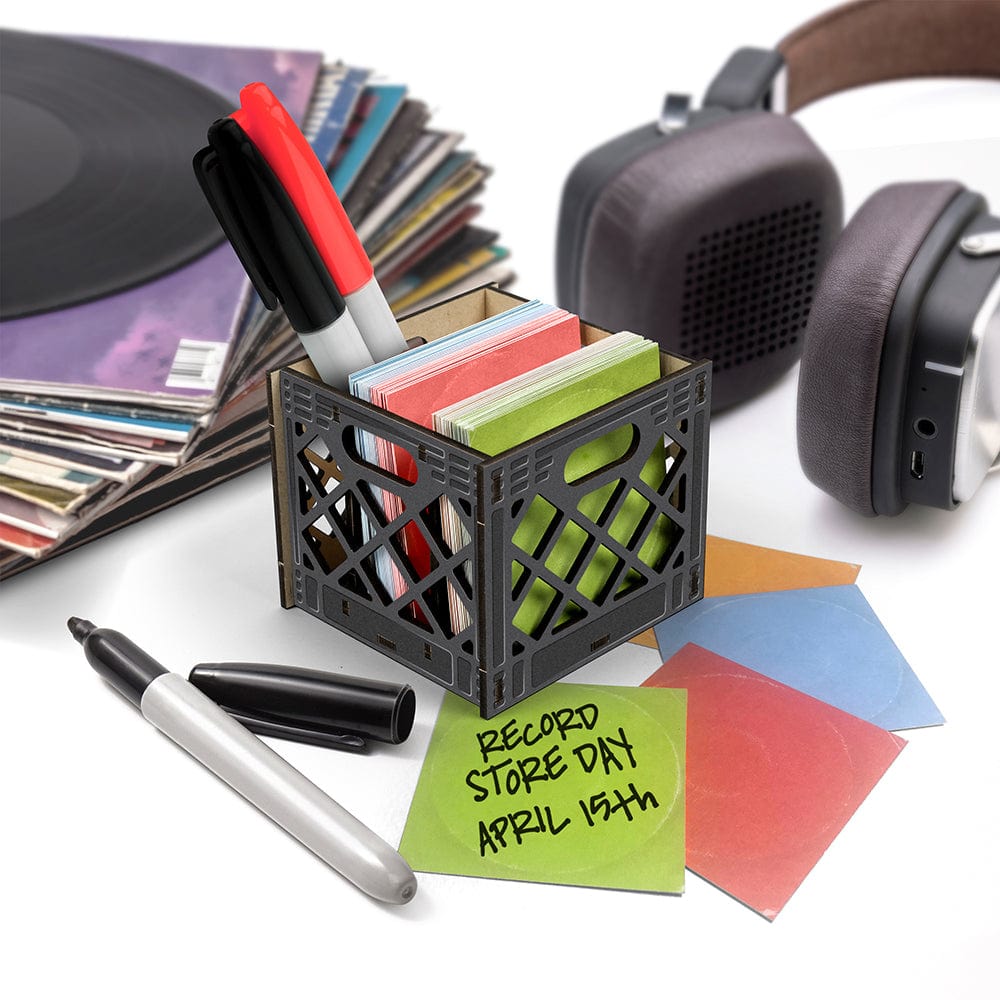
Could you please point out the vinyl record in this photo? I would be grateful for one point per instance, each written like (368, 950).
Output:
(98, 194)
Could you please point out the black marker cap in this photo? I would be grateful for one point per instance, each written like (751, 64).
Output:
(309, 706)
(261, 222)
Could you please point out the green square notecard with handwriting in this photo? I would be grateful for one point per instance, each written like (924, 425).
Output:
(579, 785)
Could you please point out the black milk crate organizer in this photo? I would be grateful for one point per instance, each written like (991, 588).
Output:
(331, 525)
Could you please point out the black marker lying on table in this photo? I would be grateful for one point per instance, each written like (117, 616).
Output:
(193, 721)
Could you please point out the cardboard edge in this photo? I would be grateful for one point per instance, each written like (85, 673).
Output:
(279, 488)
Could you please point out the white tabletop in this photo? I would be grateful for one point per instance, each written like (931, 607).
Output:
(128, 870)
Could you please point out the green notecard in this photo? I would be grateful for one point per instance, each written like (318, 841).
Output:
(579, 785)
(539, 401)
(605, 371)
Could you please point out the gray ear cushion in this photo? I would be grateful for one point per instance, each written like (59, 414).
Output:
(838, 380)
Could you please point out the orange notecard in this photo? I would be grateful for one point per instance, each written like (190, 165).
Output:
(739, 568)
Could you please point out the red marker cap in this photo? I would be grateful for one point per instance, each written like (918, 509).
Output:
(289, 155)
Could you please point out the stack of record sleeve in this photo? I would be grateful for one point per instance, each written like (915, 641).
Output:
(133, 351)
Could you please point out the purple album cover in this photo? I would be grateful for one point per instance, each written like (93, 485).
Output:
(166, 340)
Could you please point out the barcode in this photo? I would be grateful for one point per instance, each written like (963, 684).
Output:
(197, 364)
(324, 93)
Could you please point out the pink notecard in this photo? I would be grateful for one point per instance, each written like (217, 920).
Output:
(417, 393)
(445, 379)
(773, 775)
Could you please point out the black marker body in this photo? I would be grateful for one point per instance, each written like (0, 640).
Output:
(116, 658)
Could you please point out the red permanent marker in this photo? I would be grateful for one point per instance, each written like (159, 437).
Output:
(273, 131)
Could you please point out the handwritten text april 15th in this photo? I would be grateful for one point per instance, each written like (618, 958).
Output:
(528, 758)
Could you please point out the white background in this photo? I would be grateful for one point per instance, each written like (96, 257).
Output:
(127, 870)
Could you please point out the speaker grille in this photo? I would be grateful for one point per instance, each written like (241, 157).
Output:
(748, 287)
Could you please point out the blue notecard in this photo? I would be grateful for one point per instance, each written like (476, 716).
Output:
(824, 641)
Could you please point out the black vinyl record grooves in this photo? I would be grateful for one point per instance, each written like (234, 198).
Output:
(97, 193)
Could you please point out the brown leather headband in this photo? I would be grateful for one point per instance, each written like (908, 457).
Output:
(874, 40)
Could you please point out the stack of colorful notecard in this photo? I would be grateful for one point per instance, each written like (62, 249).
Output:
(794, 687)
(421, 381)
(773, 723)
(493, 386)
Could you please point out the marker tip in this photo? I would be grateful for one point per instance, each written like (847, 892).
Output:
(80, 628)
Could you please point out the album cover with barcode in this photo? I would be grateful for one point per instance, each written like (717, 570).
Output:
(117, 286)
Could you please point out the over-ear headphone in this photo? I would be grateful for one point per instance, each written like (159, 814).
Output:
(718, 232)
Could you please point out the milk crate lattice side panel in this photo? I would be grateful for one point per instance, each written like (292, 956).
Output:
(388, 558)
(597, 532)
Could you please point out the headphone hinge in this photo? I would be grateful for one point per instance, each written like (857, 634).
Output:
(750, 79)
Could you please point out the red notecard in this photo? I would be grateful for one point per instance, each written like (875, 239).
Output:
(418, 393)
(773, 775)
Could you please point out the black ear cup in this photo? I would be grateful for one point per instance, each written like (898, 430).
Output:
(845, 340)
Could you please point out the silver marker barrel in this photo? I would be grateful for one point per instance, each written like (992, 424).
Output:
(337, 350)
(193, 721)
(374, 318)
